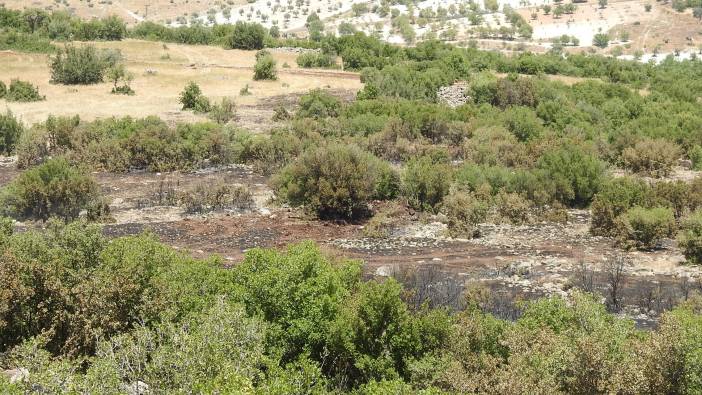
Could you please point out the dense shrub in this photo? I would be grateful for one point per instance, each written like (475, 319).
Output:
(318, 104)
(192, 98)
(23, 91)
(425, 182)
(645, 228)
(464, 211)
(53, 188)
(655, 157)
(614, 198)
(264, 69)
(690, 237)
(315, 59)
(247, 36)
(10, 131)
(78, 65)
(335, 181)
(575, 173)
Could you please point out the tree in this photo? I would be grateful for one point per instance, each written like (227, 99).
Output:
(117, 74)
(315, 27)
(192, 98)
(547, 9)
(602, 3)
(558, 11)
(264, 69)
(248, 36)
(601, 40)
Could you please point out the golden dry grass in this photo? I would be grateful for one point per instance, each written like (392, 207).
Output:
(220, 73)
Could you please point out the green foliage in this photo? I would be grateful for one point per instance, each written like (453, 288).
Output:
(575, 173)
(78, 65)
(247, 36)
(315, 59)
(600, 39)
(690, 237)
(264, 69)
(318, 104)
(22, 91)
(335, 181)
(53, 188)
(614, 198)
(224, 111)
(464, 212)
(192, 98)
(645, 228)
(425, 182)
(10, 131)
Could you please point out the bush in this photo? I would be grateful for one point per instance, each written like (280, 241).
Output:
(575, 174)
(247, 36)
(264, 69)
(654, 157)
(78, 65)
(512, 208)
(315, 59)
(212, 196)
(22, 91)
(690, 237)
(3, 89)
(192, 98)
(53, 188)
(224, 111)
(319, 104)
(335, 181)
(615, 197)
(464, 212)
(425, 182)
(644, 228)
(10, 131)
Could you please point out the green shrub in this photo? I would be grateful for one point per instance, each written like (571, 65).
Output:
(10, 131)
(318, 104)
(464, 212)
(192, 98)
(614, 198)
(335, 181)
(425, 182)
(575, 174)
(247, 36)
(53, 188)
(523, 123)
(315, 59)
(3, 89)
(223, 112)
(690, 237)
(78, 65)
(22, 91)
(644, 228)
(264, 69)
(654, 157)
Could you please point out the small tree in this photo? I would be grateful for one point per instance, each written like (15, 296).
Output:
(264, 69)
(697, 13)
(648, 7)
(547, 9)
(192, 99)
(602, 3)
(601, 40)
(247, 36)
(117, 74)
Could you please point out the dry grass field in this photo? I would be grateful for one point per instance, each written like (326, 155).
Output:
(161, 72)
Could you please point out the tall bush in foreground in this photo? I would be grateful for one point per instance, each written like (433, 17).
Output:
(335, 181)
